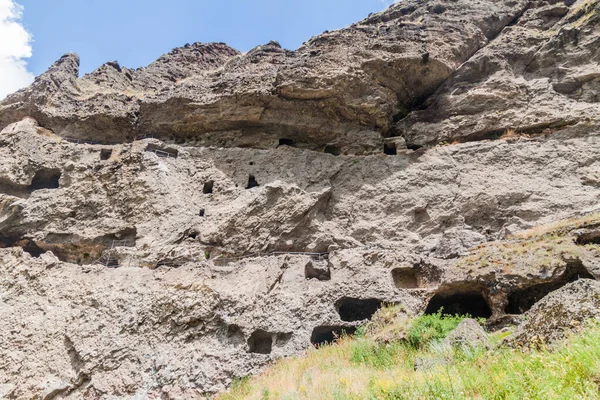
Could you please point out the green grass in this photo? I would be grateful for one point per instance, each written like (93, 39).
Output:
(429, 328)
(364, 368)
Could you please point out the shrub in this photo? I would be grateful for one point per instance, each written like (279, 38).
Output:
(434, 327)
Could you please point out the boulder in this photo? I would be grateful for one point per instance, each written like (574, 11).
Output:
(468, 334)
(562, 311)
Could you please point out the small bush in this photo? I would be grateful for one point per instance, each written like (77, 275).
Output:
(434, 327)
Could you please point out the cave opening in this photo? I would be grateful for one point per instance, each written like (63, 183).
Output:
(405, 278)
(317, 270)
(105, 154)
(390, 149)
(45, 179)
(592, 237)
(521, 300)
(260, 342)
(286, 142)
(28, 245)
(208, 187)
(32, 248)
(460, 302)
(201, 212)
(252, 182)
(351, 309)
(323, 335)
(332, 149)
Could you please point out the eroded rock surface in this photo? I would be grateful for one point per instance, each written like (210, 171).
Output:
(168, 229)
(560, 313)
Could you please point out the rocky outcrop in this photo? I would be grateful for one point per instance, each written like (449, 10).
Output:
(336, 88)
(562, 312)
(467, 335)
(168, 229)
(540, 75)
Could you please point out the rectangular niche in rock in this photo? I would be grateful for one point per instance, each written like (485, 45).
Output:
(390, 149)
(208, 187)
(332, 149)
(45, 179)
(260, 342)
(105, 154)
(286, 142)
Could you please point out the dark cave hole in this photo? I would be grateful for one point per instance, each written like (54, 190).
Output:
(439, 8)
(286, 142)
(208, 187)
(260, 342)
(390, 149)
(521, 300)
(33, 249)
(425, 58)
(316, 270)
(201, 212)
(592, 237)
(322, 335)
(357, 309)
(27, 245)
(105, 154)
(332, 149)
(462, 302)
(405, 278)
(45, 179)
(252, 182)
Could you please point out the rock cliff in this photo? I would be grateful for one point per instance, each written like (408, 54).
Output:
(167, 229)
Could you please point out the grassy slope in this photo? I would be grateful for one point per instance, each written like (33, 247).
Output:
(380, 363)
(363, 368)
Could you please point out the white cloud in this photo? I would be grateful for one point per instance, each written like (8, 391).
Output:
(15, 47)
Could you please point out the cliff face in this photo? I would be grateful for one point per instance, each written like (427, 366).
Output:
(151, 219)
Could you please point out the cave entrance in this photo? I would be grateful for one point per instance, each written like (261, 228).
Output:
(105, 154)
(332, 149)
(460, 302)
(591, 237)
(390, 149)
(318, 270)
(32, 248)
(27, 245)
(208, 187)
(286, 142)
(260, 342)
(252, 182)
(323, 335)
(357, 309)
(522, 300)
(405, 278)
(45, 179)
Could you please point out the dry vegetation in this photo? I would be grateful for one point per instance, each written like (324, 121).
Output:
(365, 368)
(379, 361)
(546, 246)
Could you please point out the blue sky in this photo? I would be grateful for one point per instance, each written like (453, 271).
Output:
(136, 32)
